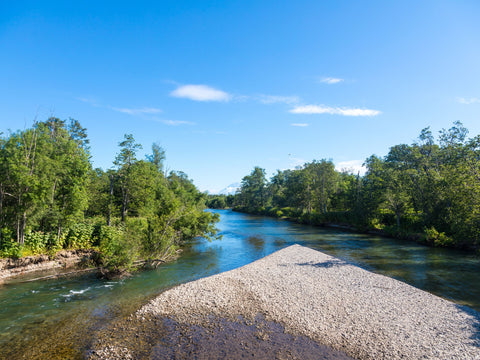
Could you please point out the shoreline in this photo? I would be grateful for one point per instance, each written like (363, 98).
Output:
(325, 299)
(414, 237)
(66, 259)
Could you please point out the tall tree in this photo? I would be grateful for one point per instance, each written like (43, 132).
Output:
(124, 162)
(254, 188)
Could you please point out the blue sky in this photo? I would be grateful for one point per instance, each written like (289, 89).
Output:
(225, 86)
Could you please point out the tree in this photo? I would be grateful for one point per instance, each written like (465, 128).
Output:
(253, 188)
(124, 161)
(157, 157)
(44, 172)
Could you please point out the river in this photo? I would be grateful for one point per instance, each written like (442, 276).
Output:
(58, 318)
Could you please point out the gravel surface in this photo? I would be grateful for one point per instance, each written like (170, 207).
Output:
(335, 303)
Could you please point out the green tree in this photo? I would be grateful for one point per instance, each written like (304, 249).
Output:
(124, 162)
(44, 172)
(253, 189)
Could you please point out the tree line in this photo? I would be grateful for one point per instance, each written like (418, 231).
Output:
(428, 191)
(52, 198)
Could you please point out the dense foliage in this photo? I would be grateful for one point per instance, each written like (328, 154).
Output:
(429, 191)
(220, 201)
(51, 198)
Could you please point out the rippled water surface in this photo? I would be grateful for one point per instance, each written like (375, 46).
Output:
(58, 318)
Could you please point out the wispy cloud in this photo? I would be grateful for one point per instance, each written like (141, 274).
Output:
(351, 166)
(273, 99)
(124, 110)
(215, 132)
(299, 124)
(146, 110)
(88, 101)
(200, 93)
(174, 122)
(468, 101)
(321, 109)
(331, 80)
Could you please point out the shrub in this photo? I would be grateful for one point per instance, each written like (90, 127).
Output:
(79, 236)
(36, 242)
(438, 238)
(12, 250)
(119, 246)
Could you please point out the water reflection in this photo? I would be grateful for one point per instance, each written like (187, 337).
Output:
(256, 243)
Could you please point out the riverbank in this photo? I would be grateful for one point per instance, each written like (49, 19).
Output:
(64, 259)
(431, 237)
(311, 294)
(77, 261)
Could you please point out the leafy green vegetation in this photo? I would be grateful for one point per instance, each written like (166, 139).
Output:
(220, 201)
(51, 198)
(428, 191)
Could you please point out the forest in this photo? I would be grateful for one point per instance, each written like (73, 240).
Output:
(428, 191)
(51, 198)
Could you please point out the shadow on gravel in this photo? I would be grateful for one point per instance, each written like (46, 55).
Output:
(474, 322)
(325, 264)
(217, 338)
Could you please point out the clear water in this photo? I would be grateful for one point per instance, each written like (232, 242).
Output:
(58, 318)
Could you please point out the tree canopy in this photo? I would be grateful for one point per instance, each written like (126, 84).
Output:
(51, 197)
(428, 190)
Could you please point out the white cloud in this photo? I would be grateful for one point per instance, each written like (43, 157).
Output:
(130, 111)
(468, 101)
(88, 101)
(299, 124)
(146, 110)
(321, 109)
(200, 93)
(330, 80)
(240, 98)
(175, 122)
(351, 166)
(273, 99)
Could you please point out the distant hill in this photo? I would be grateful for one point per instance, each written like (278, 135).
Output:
(230, 189)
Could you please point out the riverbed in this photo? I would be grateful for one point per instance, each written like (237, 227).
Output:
(59, 318)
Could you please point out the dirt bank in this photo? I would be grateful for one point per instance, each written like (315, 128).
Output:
(62, 260)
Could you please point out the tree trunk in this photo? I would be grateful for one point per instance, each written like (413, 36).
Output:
(21, 225)
(124, 205)
(109, 210)
(1, 211)
(59, 232)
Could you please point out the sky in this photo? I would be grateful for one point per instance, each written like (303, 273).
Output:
(224, 86)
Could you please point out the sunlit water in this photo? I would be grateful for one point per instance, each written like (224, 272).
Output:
(58, 318)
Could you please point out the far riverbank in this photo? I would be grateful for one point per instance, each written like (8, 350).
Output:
(422, 238)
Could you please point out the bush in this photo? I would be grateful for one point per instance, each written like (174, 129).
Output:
(119, 245)
(114, 250)
(436, 238)
(11, 249)
(79, 236)
(37, 242)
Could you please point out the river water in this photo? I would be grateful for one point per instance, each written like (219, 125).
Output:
(58, 318)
